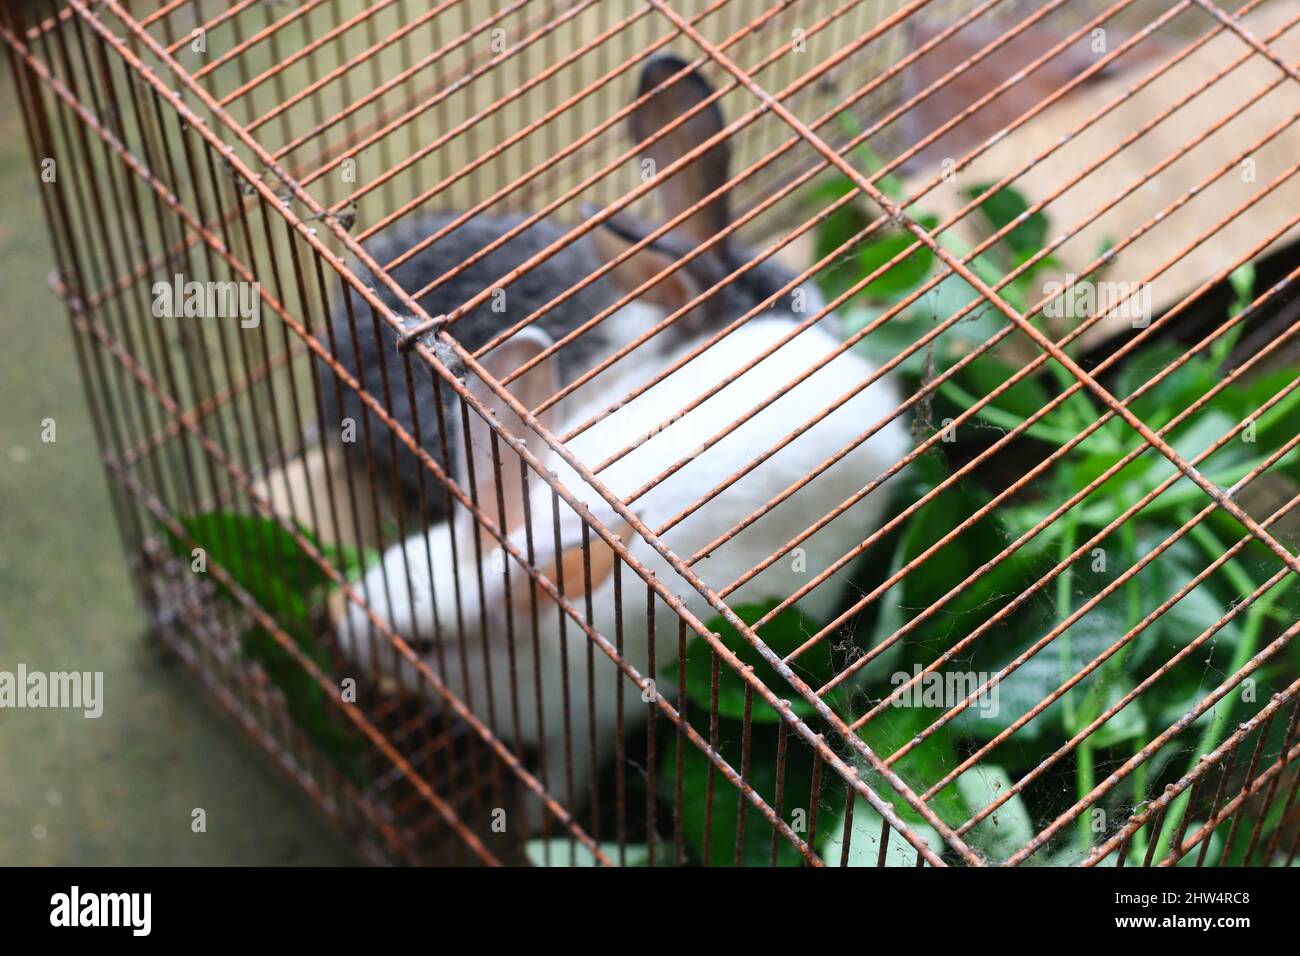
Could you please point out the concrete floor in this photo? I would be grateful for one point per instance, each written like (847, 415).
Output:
(120, 789)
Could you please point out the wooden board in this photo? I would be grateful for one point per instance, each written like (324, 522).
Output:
(1228, 100)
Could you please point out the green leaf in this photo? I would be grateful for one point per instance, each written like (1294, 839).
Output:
(905, 275)
(864, 847)
(1117, 492)
(1242, 280)
(950, 566)
(260, 556)
(1177, 391)
(1071, 855)
(891, 339)
(987, 373)
(785, 632)
(1191, 438)
(1130, 723)
(925, 764)
(1007, 206)
(308, 704)
(981, 376)
(1275, 427)
(268, 563)
(1007, 828)
(854, 263)
(889, 621)
(888, 184)
(725, 804)
(561, 851)
(353, 562)
(835, 232)
(1213, 853)
(1040, 675)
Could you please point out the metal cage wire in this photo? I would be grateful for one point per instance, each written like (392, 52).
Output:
(267, 142)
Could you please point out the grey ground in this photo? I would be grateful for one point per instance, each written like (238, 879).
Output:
(120, 789)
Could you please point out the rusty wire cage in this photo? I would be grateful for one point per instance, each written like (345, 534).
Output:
(1050, 245)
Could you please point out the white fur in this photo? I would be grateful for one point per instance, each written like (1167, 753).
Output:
(409, 577)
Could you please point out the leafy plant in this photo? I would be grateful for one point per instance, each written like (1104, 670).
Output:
(267, 562)
(965, 585)
(710, 807)
(783, 634)
(563, 852)
(959, 587)
(954, 589)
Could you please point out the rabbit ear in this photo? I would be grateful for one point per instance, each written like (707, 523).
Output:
(477, 466)
(701, 272)
(670, 293)
(702, 175)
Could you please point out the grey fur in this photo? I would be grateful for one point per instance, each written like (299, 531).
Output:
(570, 264)
(573, 262)
(379, 354)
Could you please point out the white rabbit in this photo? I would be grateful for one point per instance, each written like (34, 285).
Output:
(427, 589)
(409, 606)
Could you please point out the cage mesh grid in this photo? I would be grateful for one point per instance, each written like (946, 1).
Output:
(225, 163)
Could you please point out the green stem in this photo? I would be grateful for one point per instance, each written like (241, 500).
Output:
(1008, 420)
(1140, 774)
(1244, 651)
(1103, 513)
(1084, 770)
(1128, 536)
(1094, 701)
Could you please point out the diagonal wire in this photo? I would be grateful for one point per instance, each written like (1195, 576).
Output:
(1042, 341)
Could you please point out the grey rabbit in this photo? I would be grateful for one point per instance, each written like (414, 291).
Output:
(562, 270)
(805, 422)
